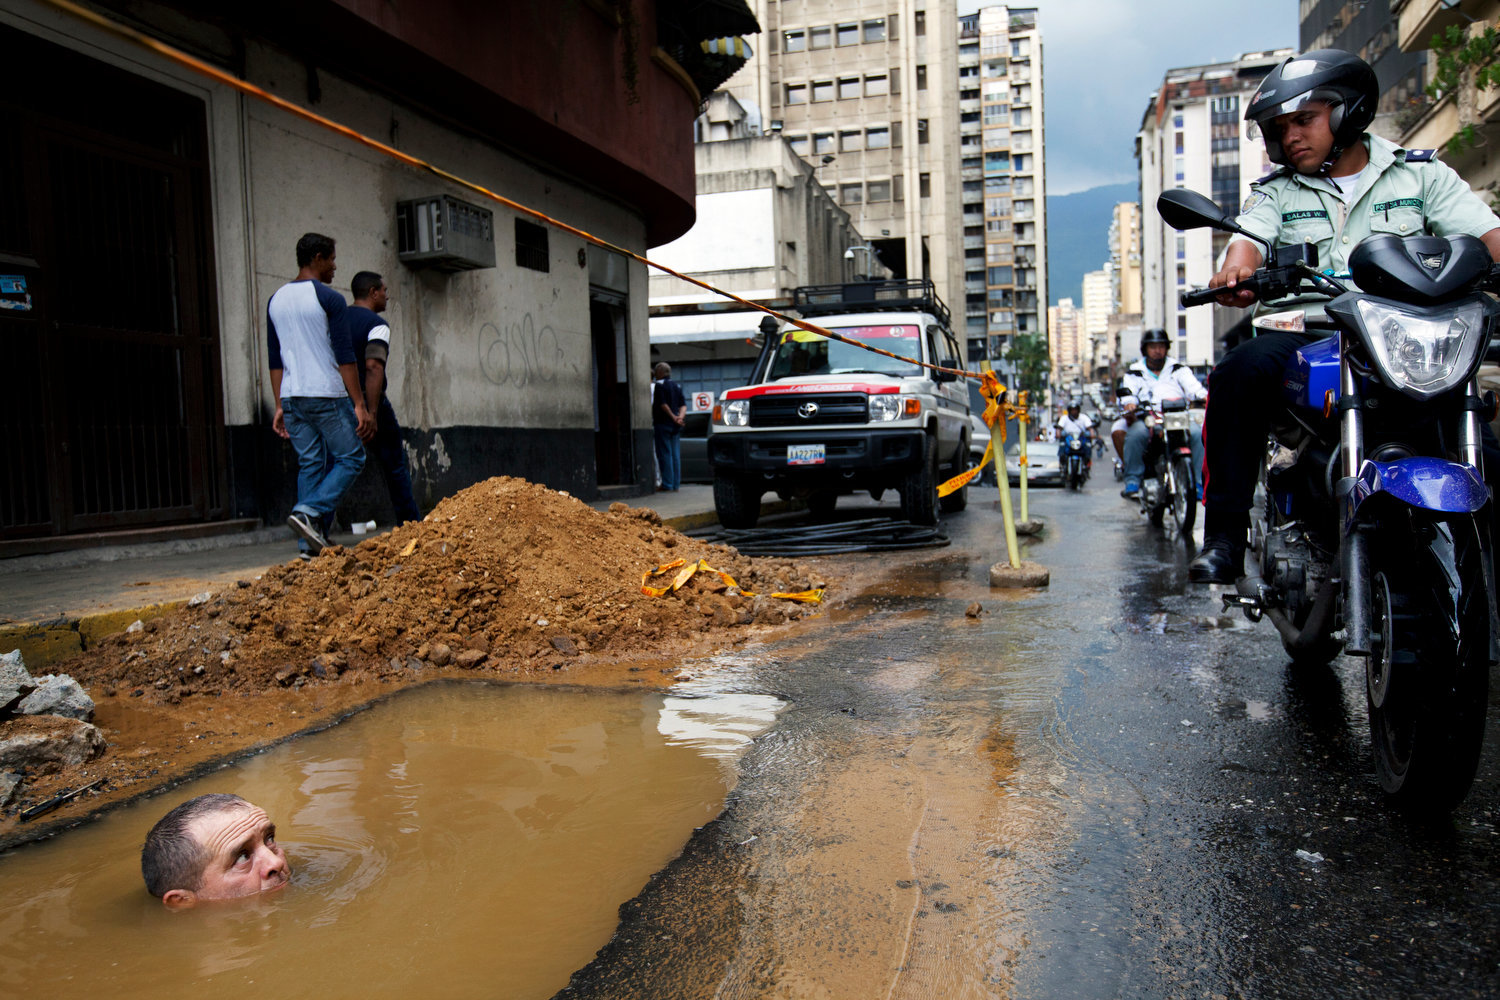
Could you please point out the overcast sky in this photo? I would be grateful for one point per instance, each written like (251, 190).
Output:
(1103, 58)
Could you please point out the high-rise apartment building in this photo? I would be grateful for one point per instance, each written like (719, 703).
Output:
(1093, 322)
(1192, 135)
(927, 129)
(1003, 176)
(1063, 346)
(1125, 256)
(1370, 31)
(864, 91)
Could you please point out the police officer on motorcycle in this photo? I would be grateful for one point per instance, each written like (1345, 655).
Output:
(1080, 426)
(1152, 378)
(1335, 185)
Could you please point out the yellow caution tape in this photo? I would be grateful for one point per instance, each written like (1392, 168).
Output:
(994, 392)
(687, 571)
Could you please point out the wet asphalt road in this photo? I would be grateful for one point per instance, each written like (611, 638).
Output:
(1100, 789)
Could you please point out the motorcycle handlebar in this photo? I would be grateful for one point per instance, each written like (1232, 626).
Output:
(1199, 296)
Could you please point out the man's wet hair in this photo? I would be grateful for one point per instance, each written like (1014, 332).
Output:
(364, 283)
(312, 245)
(172, 858)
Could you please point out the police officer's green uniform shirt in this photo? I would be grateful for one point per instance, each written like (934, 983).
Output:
(1396, 195)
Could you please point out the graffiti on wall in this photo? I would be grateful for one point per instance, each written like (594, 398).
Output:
(519, 354)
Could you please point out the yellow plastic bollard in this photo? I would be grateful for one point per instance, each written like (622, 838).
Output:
(1021, 422)
(1012, 546)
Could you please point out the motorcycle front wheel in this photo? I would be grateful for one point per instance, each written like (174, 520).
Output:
(1427, 676)
(1184, 497)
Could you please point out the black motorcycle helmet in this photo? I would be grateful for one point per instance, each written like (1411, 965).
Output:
(1333, 76)
(1155, 335)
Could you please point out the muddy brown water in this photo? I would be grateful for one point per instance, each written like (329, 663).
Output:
(472, 840)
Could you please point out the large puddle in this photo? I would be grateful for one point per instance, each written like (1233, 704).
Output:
(459, 840)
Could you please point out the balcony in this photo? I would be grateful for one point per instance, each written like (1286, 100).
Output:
(971, 174)
(973, 218)
(967, 107)
(973, 242)
(1418, 20)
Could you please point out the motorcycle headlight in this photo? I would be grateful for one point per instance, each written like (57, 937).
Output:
(736, 412)
(887, 406)
(1422, 354)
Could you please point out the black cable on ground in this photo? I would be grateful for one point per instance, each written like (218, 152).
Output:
(878, 534)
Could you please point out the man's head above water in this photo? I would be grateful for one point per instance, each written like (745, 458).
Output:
(212, 847)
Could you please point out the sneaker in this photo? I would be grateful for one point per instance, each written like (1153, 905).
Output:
(1130, 491)
(305, 529)
(305, 556)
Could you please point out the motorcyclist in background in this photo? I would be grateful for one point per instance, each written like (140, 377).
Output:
(1336, 184)
(1074, 422)
(1150, 379)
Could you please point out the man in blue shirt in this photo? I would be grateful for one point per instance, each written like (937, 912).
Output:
(371, 336)
(319, 405)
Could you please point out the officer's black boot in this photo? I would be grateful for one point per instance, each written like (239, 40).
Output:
(1222, 558)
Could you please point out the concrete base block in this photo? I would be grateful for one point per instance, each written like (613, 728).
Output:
(1030, 527)
(1028, 574)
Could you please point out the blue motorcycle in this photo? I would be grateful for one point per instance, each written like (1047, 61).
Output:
(1371, 525)
(1073, 453)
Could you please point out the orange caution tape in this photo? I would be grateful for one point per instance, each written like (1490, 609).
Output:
(687, 572)
(994, 393)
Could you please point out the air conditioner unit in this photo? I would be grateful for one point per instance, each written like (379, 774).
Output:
(445, 234)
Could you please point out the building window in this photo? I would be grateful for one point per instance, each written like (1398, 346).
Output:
(996, 162)
(1178, 143)
(793, 41)
(898, 188)
(921, 77)
(796, 93)
(851, 194)
(851, 142)
(997, 185)
(822, 142)
(822, 90)
(848, 34)
(531, 246)
(1177, 118)
(876, 86)
(878, 137)
(1182, 247)
(1179, 167)
(996, 114)
(848, 87)
(924, 185)
(875, 30)
(1181, 275)
(998, 276)
(879, 190)
(996, 207)
(921, 131)
(919, 22)
(798, 144)
(820, 37)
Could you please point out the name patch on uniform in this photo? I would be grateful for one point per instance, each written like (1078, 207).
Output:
(1386, 206)
(1312, 213)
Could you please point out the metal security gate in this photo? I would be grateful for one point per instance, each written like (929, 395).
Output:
(106, 311)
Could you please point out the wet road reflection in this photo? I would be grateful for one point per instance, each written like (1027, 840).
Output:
(1107, 788)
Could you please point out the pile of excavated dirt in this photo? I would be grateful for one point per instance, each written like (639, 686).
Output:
(506, 579)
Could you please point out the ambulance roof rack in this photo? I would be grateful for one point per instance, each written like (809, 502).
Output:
(895, 295)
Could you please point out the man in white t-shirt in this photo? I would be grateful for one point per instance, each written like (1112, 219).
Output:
(1075, 422)
(320, 406)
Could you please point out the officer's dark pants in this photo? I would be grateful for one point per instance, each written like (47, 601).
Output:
(1244, 390)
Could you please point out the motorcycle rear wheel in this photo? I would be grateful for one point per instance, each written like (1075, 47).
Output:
(1427, 677)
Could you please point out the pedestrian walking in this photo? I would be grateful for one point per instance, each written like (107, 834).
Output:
(319, 406)
(371, 337)
(668, 414)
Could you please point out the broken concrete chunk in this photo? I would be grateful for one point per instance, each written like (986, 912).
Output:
(58, 695)
(15, 682)
(202, 598)
(8, 784)
(56, 744)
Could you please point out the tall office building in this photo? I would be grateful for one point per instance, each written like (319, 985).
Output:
(1098, 305)
(1192, 135)
(1125, 255)
(1064, 347)
(927, 129)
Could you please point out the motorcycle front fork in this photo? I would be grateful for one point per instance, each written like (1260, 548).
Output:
(1355, 561)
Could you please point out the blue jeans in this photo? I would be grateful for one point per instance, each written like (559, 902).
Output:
(1137, 437)
(391, 455)
(669, 455)
(329, 452)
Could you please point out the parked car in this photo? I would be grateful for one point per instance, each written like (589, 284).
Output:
(1042, 466)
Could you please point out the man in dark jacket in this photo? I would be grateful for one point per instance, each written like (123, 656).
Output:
(668, 414)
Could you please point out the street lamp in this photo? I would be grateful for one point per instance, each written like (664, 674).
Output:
(869, 260)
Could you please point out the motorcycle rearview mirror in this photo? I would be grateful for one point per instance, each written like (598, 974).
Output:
(1184, 209)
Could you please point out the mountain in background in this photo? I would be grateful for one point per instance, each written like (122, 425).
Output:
(1078, 237)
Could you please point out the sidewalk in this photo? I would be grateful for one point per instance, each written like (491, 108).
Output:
(53, 606)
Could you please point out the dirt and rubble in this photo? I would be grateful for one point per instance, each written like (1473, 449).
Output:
(506, 580)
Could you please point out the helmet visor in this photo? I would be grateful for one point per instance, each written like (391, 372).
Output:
(1264, 122)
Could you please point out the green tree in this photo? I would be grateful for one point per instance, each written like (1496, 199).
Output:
(1029, 355)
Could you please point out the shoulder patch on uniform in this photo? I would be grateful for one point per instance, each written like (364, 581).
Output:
(1255, 199)
(1420, 155)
